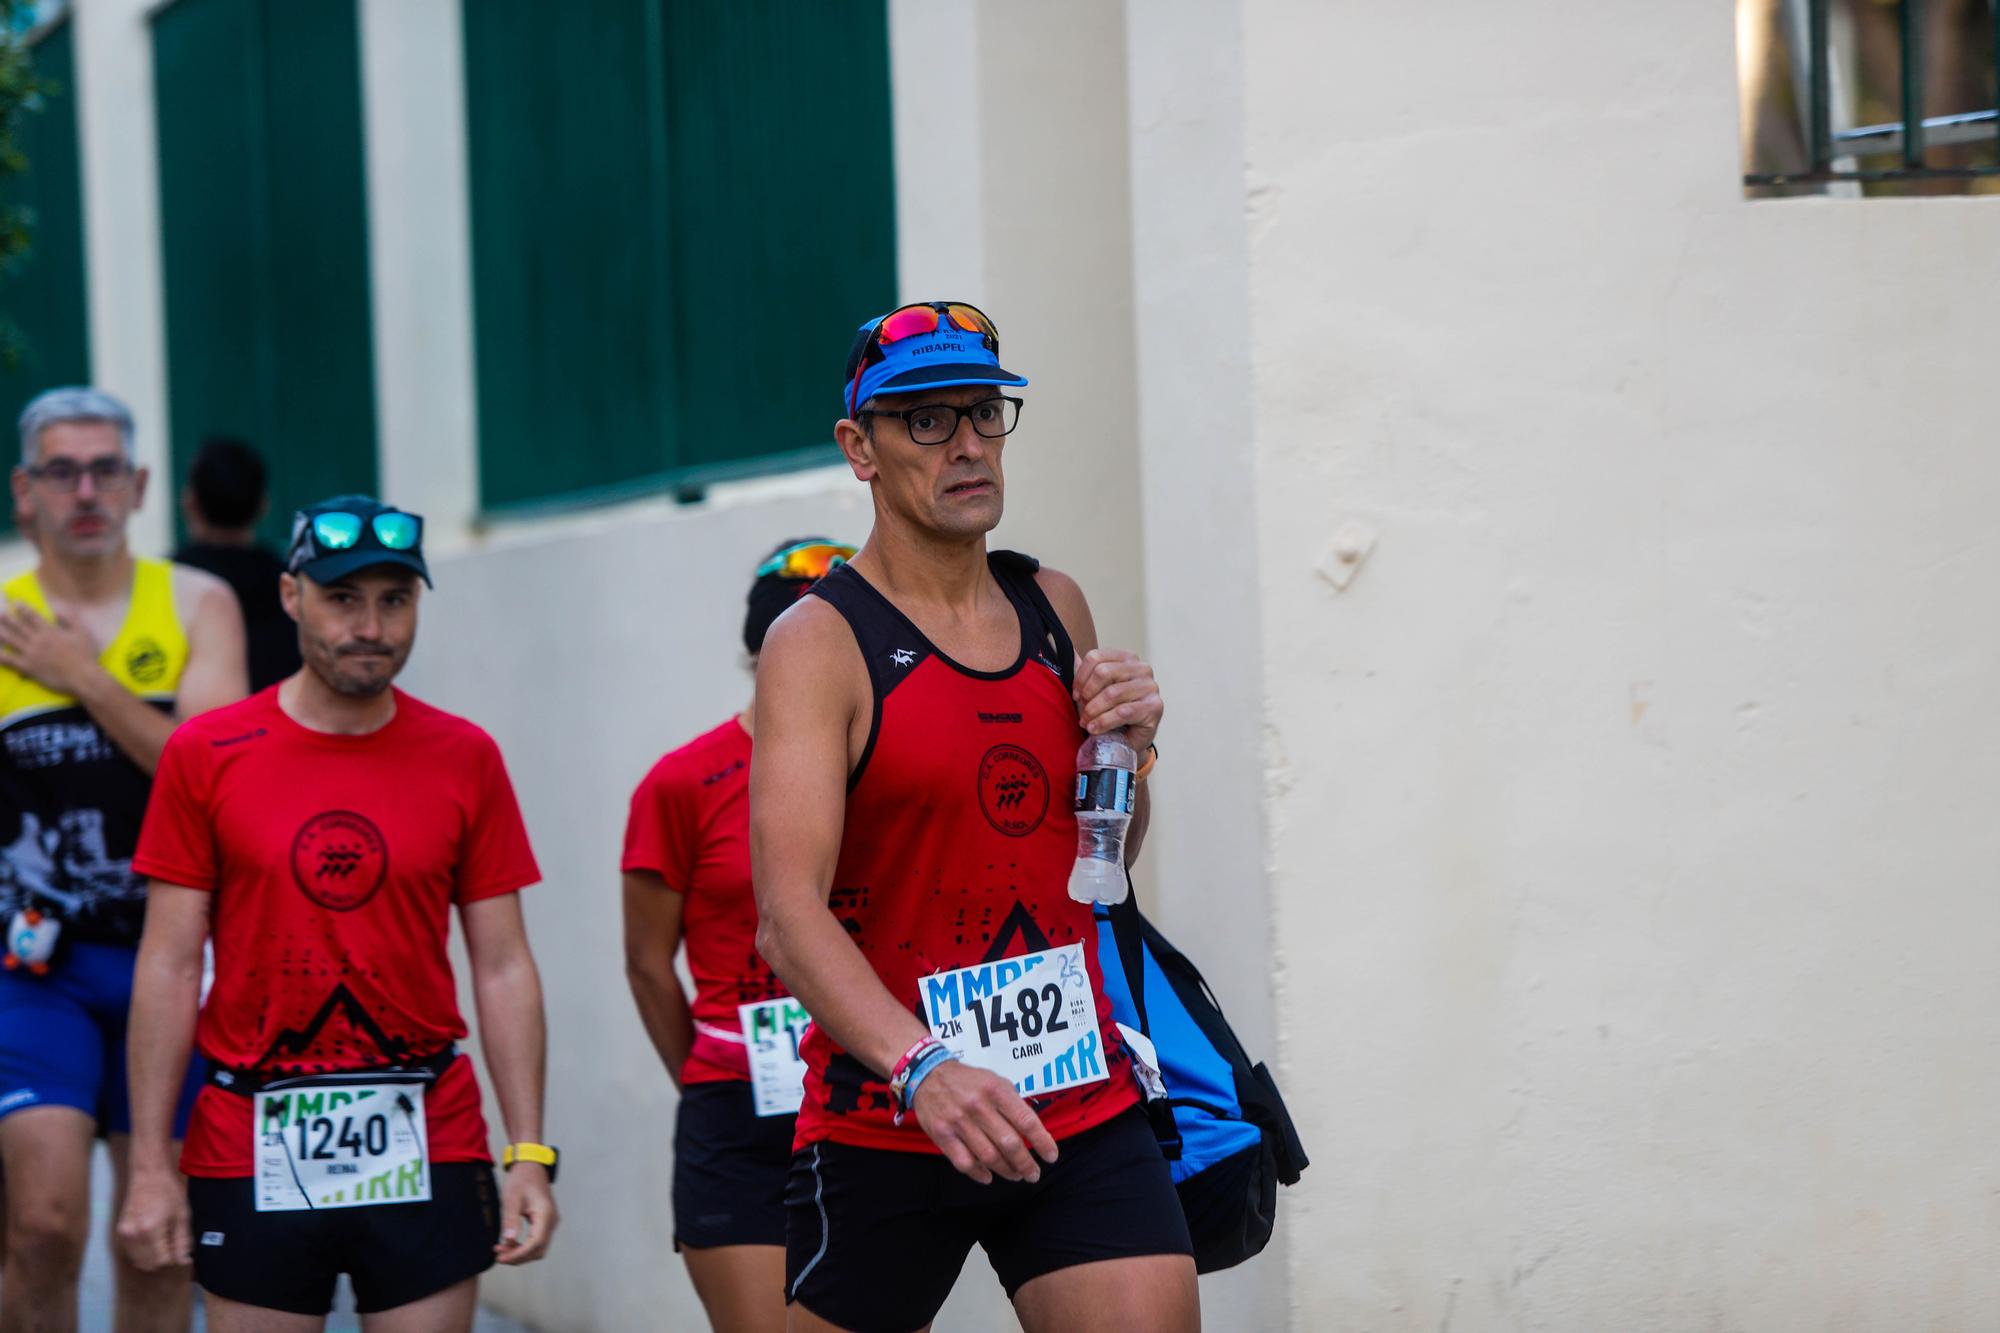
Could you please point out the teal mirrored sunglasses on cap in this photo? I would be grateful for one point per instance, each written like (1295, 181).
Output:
(393, 530)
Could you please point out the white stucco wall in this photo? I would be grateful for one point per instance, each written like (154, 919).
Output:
(118, 146)
(1190, 263)
(420, 257)
(1632, 870)
(1013, 193)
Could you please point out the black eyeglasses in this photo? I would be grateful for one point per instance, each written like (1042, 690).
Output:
(106, 474)
(934, 423)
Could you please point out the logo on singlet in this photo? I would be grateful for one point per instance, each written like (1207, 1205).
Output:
(339, 859)
(146, 662)
(1013, 790)
(902, 657)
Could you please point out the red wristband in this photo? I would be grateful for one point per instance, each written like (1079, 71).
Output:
(903, 1064)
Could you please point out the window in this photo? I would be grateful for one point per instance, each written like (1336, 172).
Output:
(668, 269)
(263, 231)
(44, 292)
(1874, 97)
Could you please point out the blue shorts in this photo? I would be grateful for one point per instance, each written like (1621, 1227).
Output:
(62, 1038)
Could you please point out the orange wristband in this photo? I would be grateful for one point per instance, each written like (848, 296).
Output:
(1152, 757)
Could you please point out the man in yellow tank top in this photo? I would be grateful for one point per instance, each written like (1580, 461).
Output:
(101, 655)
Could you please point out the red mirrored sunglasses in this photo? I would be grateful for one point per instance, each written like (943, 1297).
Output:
(914, 321)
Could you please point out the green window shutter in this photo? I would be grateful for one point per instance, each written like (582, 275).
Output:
(44, 296)
(569, 278)
(785, 229)
(264, 236)
(667, 273)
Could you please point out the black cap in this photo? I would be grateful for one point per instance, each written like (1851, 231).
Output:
(774, 589)
(325, 563)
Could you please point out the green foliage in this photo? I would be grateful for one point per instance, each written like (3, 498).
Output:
(20, 97)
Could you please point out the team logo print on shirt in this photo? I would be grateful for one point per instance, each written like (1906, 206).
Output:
(1013, 790)
(340, 1034)
(146, 661)
(339, 859)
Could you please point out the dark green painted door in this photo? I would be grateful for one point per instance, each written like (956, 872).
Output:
(264, 235)
(44, 295)
(667, 271)
(569, 273)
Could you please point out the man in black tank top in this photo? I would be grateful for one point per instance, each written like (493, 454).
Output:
(880, 1215)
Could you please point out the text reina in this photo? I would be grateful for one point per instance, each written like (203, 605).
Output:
(979, 983)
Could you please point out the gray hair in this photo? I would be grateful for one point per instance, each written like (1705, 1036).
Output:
(74, 403)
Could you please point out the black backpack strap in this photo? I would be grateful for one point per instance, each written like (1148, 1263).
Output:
(1289, 1152)
(1016, 572)
(1127, 930)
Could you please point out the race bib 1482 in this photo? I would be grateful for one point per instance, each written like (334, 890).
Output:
(340, 1147)
(1031, 1019)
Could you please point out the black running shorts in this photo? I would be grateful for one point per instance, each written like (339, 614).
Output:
(393, 1253)
(730, 1166)
(876, 1239)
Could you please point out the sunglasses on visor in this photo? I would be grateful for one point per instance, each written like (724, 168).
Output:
(914, 321)
(807, 560)
(338, 530)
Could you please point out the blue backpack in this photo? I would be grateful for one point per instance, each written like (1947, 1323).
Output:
(1222, 1125)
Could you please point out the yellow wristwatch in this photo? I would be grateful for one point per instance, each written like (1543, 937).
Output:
(531, 1152)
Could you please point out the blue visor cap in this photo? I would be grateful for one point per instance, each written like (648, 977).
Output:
(941, 360)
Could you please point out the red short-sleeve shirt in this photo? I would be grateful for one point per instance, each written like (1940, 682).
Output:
(335, 862)
(690, 825)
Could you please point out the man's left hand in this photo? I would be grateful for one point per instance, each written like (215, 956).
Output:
(54, 653)
(527, 1214)
(1114, 688)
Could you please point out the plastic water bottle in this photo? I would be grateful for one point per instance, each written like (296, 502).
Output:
(1105, 791)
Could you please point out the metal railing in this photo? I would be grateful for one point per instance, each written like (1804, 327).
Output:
(1912, 137)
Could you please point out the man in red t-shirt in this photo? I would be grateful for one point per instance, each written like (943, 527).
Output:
(687, 878)
(320, 832)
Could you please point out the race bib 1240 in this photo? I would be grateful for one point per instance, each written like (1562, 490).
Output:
(1030, 1019)
(772, 1030)
(341, 1146)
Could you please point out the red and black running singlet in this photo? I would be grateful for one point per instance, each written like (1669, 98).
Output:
(959, 840)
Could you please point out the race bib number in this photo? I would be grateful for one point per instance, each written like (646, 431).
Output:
(772, 1031)
(1032, 1020)
(348, 1146)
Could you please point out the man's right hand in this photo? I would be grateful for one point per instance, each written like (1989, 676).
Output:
(981, 1124)
(154, 1227)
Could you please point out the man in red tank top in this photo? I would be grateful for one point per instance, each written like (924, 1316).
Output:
(912, 834)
